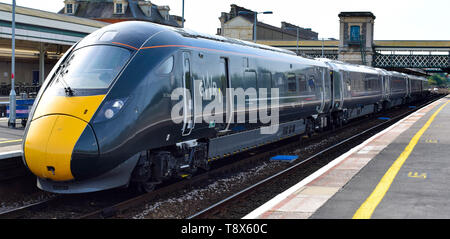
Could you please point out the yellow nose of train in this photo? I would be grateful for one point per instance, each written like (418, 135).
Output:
(56, 126)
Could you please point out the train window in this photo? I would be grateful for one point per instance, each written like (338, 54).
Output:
(166, 67)
(277, 80)
(302, 85)
(265, 81)
(358, 81)
(93, 67)
(250, 83)
(291, 83)
(108, 36)
(223, 74)
(367, 84)
(187, 71)
(249, 79)
(245, 62)
(311, 83)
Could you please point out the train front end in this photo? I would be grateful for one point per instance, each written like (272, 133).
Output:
(61, 146)
(60, 142)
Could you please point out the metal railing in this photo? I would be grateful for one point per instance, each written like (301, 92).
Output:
(413, 61)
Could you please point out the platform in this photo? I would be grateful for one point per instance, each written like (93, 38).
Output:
(10, 139)
(401, 172)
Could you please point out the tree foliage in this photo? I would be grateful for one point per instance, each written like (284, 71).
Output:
(439, 79)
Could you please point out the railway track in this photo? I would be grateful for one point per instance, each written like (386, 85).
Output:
(243, 160)
(11, 168)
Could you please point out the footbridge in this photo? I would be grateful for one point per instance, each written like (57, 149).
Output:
(356, 45)
(430, 56)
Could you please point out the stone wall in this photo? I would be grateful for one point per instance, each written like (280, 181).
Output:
(24, 71)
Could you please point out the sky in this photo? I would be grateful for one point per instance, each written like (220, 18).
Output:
(395, 19)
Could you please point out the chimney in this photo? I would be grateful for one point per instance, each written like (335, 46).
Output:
(234, 10)
(224, 17)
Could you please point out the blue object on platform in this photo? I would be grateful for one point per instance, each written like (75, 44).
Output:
(412, 106)
(384, 118)
(23, 108)
(285, 158)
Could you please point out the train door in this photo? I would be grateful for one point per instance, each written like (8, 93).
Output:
(387, 88)
(225, 84)
(188, 84)
(408, 86)
(323, 89)
(382, 90)
(332, 89)
(347, 86)
(342, 87)
(337, 89)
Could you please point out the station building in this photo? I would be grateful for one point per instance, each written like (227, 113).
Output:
(240, 26)
(112, 11)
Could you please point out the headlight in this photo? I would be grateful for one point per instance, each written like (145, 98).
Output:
(109, 110)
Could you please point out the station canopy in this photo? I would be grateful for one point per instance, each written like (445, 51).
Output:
(38, 31)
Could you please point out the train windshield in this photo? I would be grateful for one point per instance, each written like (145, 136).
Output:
(93, 67)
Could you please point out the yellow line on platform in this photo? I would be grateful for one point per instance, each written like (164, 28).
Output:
(10, 141)
(366, 209)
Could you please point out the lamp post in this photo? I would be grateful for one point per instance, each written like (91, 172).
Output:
(297, 29)
(322, 46)
(12, 94)
(254, 24)
(182, 16)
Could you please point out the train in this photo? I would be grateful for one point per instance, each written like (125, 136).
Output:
(137, 103)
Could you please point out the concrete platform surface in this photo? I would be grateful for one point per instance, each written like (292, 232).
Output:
(10, 139)
(380, 178)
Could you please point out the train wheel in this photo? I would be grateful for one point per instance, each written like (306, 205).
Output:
(340, 122)
(146, 187)
(309, 129)
(143, 187)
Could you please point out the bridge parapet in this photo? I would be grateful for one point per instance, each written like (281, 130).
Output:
(411, 61)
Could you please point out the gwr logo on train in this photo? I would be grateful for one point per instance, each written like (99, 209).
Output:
(207, 88)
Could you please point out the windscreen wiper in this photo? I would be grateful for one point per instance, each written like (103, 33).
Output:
(67, 89)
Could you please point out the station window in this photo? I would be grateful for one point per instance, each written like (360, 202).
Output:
(69, 8)
(119, 8)
(354, 33)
